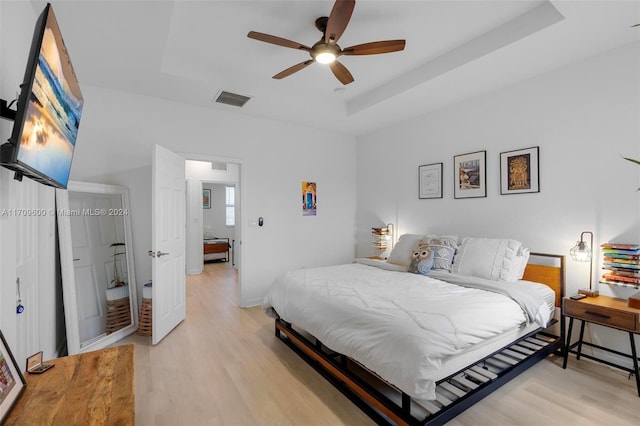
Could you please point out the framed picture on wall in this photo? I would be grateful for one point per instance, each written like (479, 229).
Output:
(519, 171)
(470, 175)
(309, 198)
(430, 181)
(206, 198)
(12, 382)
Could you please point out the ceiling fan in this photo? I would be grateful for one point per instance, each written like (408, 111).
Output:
(326, 51)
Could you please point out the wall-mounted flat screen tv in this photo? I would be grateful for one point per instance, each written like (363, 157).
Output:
(49, 109)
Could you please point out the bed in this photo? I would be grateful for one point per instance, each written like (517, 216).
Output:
(411, 344)
(216, 249)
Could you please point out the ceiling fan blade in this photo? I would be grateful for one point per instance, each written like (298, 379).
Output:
(338, 20)
(375, 47)
(341, 72)
(279, 41)
(295, 68)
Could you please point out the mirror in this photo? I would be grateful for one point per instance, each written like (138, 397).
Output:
(96, 257)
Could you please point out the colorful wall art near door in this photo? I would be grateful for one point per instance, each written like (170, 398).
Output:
(309, 198)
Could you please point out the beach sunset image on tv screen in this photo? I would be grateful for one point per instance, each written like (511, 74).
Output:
(53, 111)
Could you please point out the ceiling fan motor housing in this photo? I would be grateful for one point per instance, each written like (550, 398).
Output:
(321, 23)
(322, 47)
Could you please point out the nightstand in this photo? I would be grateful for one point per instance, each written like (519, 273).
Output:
(607, 311)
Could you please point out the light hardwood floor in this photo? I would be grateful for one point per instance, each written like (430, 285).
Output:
(224, 366)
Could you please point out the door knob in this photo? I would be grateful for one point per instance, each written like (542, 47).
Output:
(159, 253)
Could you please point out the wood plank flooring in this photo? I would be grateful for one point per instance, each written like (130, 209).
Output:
(224, 366)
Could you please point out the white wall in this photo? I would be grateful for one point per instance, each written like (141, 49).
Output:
(119, 130)
(583, 117)
(194, 260)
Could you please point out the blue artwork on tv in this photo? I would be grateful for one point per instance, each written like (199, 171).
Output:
(49, 110)
(53, 112)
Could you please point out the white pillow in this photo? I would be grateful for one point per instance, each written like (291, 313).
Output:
(523, 255)
(401, 252)
(489, 258)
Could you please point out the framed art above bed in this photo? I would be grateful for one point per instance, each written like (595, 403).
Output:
(519, 171)
(470, 175)
(430, 181)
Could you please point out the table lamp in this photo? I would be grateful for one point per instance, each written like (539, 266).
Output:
(582, 252)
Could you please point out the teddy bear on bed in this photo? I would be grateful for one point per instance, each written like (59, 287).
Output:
(421, 260)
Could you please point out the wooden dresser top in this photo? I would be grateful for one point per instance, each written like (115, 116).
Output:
(93, 388)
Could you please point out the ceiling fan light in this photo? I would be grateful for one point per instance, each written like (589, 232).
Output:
(325, 57)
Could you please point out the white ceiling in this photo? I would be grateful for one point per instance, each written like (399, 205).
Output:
(187, 51)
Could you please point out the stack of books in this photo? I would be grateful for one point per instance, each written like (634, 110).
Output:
(381, 238)
(622, 264)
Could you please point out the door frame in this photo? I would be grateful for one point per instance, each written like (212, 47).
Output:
(240, 222)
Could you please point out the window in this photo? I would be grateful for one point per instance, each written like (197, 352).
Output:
(230, 205)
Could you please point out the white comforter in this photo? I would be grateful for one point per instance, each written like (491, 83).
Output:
(400, 325)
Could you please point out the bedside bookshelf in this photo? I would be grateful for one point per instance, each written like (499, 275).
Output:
(622, 265)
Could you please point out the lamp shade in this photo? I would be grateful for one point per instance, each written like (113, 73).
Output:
(581, 252)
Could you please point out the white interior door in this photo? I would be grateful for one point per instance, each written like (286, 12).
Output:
(27, 272)
(168, 242)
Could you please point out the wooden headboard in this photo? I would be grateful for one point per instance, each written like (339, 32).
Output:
(551, 275)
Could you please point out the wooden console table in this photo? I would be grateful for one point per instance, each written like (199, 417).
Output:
(93, 388)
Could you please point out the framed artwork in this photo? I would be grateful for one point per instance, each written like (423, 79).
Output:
(309, 199)
(519, 171)
(206, 198)
(430, 181)
(470, 175)
(12, 382)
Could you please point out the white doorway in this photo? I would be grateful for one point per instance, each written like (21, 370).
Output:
(169, 237)
(217, 174)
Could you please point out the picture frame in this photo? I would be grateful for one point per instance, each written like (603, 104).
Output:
(430, 181)
(470, 175)
(309, 199)
(206, 198)
(12, 383)
(520, 171)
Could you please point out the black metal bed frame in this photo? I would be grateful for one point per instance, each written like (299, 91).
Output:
(387, 405)
(454, 394)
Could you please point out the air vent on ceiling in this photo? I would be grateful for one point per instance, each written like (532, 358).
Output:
(229, 98)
